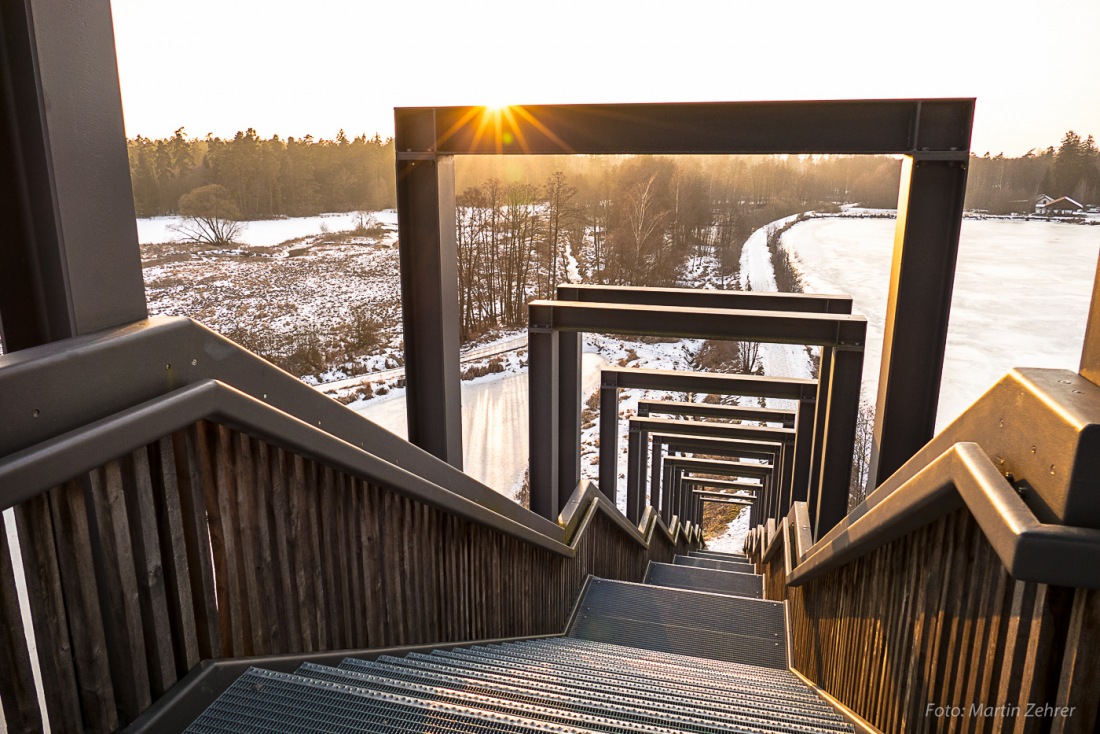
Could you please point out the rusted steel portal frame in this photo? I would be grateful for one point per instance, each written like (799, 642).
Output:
(933, 135)
(776, 454)
(830, 452)
(681, 499)
(748, 442)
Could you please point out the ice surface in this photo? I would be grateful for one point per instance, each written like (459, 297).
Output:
(1021, 297)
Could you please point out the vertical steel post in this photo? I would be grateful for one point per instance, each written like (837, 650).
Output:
(609, 435)
(803, 448)
(429, 286)
(839, 443)
(70, 262)
(1090, 350)
(786, 452)
(656, 495)
(542, 424)
(922, 276)
(667, 499)
(821, 407)
(635, 468)
(569, 414)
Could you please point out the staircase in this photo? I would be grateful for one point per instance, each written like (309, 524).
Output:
(691, 649)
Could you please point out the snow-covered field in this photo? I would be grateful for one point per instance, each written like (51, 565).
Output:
(1021, 297)
(268, 232)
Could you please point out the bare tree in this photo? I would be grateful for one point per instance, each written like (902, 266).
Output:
(210, 216)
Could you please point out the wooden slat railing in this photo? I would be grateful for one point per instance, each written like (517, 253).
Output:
(928, 630)
(212, 543)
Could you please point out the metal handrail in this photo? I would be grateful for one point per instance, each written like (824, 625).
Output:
(107, 374)
(964, 475)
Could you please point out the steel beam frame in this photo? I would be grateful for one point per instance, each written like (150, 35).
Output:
(429, 286)
(785, 418)
(774, 453)
(613, 379)
(922, 277)
(684, 439)
(934, 135)
(678, 466)
(70, 264)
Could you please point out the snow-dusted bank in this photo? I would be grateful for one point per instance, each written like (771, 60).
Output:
(1021, 297)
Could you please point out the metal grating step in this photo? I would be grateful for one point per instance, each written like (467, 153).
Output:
(556, 710)
(695, 623)
(265, 701)
(623, 676)
(720, 556)
(600, 715)
(590, 695)
(705, 579)
(704, 669)
(713, 563)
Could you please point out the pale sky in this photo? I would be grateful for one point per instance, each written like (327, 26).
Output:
(294, 68)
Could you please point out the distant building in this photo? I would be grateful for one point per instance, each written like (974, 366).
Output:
(1063, 206)
(1040, 204)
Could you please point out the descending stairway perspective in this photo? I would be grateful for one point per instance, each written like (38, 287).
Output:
(692, 649)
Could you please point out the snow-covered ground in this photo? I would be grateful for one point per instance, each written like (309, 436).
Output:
(494, 422)
(268, 232)
(757, 274)
(1021, 297)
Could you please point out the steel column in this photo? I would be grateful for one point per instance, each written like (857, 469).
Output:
(839, 443)
(635, 467)
(542, 424)
(70, 263)
(808, 417)
(609, 436)
(656, 497)
(824, 372)
(1090, 350)
(922, 276)
(668, 501)
(429, 286)
(569, 414)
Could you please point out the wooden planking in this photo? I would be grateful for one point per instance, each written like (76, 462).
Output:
(49, 615)
(934, 618)
(116, 579)
(211, 543)
(1079, 676)
(184, 634)
(18, 697)
(72, 539)
(151, 591)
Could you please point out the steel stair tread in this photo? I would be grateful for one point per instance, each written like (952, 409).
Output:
(577, 711)
(530, 682)
(713, 563)
(262, 700)
(705, 579)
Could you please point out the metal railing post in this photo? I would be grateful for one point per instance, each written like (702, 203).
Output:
(569, 414)
(542, 430)
(609, 435)
(839, 443)
(635, 469)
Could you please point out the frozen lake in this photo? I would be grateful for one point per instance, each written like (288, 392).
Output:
(494, 423)
(1021, 297)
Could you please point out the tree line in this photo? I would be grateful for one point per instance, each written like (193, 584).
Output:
(526, 225)
(272, 177)
(1003, 185)
(264, 178)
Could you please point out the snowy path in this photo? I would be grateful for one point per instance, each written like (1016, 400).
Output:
(757, 274)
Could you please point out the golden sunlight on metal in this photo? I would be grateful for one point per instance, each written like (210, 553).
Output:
(504, 125)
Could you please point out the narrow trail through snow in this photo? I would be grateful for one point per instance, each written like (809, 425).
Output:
(757, 274)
